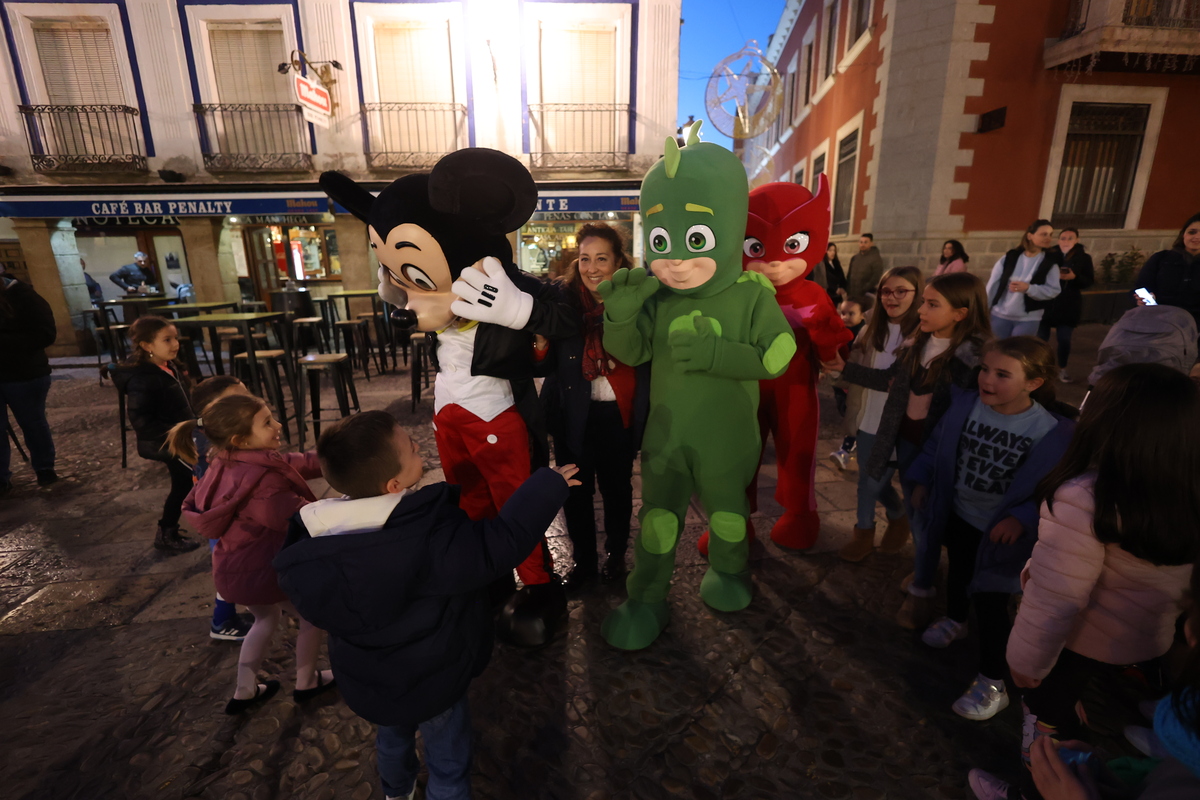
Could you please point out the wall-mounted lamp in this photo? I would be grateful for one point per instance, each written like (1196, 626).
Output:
(322, 69)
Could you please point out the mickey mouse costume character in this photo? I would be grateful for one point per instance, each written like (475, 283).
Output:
(786, 234)
(444, 256)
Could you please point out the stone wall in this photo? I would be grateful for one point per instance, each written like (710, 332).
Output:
(986, 247)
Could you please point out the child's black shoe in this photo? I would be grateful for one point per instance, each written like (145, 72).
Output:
(262, 693)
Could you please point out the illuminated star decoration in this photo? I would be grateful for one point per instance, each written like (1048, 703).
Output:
(740, 88)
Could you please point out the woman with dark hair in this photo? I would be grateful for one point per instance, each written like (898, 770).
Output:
(596, 408)
(1116, 543)
(26, 330)
(1075, 274)
(829, 276)
(1173, 276)
(954, 258)
(1023, 283)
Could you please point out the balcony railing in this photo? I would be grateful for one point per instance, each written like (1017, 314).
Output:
(1077, 17)
(579, 136)
(1163, 14)
(253, 137)
(84, 138)
(409, 135)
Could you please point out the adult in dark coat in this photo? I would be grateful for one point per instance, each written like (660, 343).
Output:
(26, 330)
(596, 408)
(132, 276)
(1173, 276)
(1075, 273)
(829, 276)
(866, 268)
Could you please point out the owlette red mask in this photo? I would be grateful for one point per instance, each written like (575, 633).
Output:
(787, 230)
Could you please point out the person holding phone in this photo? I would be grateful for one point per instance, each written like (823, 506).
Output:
(1075, 273)
(1172, 277)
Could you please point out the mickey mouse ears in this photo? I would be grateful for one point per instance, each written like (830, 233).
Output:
(486, 188)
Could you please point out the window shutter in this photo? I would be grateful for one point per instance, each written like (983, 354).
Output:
(246, 59)
(79, 62)
(413, 62)
(579, 64)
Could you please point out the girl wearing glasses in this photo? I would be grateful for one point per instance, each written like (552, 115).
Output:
(893, 319)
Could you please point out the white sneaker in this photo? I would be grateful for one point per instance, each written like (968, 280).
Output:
(841, 459)
(987, 786)
(943, 632)
(1146, 741)
(983, 700)
(1063, 377)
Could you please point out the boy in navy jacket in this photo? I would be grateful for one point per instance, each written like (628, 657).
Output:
(398, 578)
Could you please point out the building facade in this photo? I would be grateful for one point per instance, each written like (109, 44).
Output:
(175, 127)
(964, 119)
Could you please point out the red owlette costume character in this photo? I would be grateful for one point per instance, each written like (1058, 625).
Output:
(786, 236)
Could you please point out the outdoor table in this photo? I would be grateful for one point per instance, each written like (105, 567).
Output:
(347, 296)
(245, 323)
(134, 305)
(182, 309)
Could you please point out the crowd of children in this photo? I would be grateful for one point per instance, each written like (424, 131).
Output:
(1090, 523)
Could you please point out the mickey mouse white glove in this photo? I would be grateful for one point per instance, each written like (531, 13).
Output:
(390, 292)
(490, 296)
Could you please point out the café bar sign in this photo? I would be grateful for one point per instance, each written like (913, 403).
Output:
(161, 205)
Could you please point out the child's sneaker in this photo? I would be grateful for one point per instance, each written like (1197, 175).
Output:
(944, 632)
(841, 459)
(234, 629)
(985, 699)
(987, 786)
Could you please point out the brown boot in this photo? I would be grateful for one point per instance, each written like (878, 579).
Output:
(895, 537)
(860, 546)
(915, 613)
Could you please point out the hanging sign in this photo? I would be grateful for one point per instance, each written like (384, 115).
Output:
(314, 101)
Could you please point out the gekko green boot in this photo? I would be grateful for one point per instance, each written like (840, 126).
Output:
(637, 622)
(726, 585)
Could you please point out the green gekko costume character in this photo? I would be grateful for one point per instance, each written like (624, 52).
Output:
(711, 332)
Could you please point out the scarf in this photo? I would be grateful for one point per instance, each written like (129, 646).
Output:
(1182, 743)
(597, 363)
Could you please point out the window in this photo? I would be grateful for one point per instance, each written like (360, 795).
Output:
(818, 169)
(245, 61)
(79, 62)
(1103, 144)
(796, 96)
(799, 176)
(413, 62)
(860, 18)
(808, 72)
(579, 64)
(831, 26)
(843, 202)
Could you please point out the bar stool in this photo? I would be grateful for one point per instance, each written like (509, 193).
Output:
(269, 362)
(341, 372)
(313, 328)
(252, 306)
(381, 337)
(356, 341)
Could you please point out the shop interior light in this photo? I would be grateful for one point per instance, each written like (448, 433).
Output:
(233, 220)
(612, 215)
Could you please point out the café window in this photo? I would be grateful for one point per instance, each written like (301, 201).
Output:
(547, 244)
(303, 253)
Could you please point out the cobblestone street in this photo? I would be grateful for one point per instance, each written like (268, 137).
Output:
(111, 688)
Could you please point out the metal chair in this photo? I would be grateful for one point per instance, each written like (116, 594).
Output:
(341, 372)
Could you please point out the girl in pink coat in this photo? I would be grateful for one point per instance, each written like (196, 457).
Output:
(1116, 543)
(245, 501)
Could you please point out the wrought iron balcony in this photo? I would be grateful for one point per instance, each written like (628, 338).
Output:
(1163, 13)
(412, 135)
(253, 137)
(579, 136)
(1129, 36)
(94, 138)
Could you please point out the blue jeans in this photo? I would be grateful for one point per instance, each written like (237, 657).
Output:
(1003, 328)
(27, 399)
(907, 453)
(447, 755)
(1064, 340)
(871, 491)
